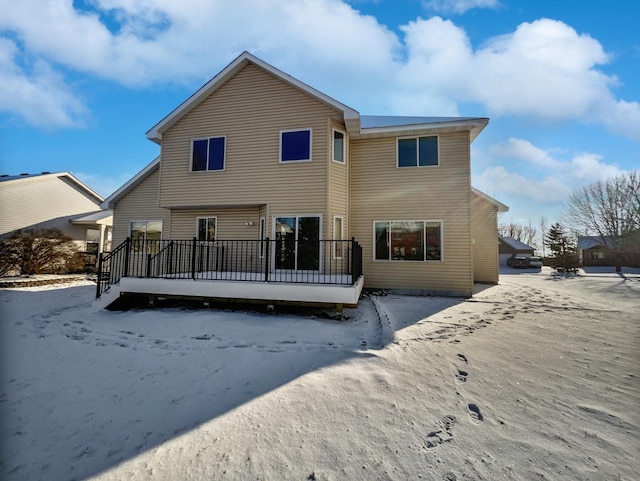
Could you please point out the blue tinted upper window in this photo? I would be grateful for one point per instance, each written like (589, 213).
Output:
(418, 151)
(208, 154)
(295, 145)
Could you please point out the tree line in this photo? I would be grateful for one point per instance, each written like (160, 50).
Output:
(608, 209)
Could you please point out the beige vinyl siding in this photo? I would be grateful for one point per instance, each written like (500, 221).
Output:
(338, 183)
(484, 230)
(47, 201)
(251, 110)
(140, 203)
(381, 191)
(230, 223)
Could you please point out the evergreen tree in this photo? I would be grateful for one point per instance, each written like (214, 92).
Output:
(564, 249)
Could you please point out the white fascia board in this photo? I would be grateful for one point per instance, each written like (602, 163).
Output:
(80, 184)
(155, 133)
(110, 201)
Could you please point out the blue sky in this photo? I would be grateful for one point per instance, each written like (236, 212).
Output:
(82, 81)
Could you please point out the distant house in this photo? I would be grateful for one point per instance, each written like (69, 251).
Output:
(55, 200)
(508, 246)
(262, 178)
(595, 252)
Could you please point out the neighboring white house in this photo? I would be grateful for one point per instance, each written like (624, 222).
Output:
(55, 200)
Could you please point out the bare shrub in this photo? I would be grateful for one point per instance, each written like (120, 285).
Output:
(37, 251)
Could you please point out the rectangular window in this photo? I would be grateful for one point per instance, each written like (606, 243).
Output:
(208, 154)
(93, 241)
(418, 151)
(145, 235)
(338, 236)
(408, 240)
(338, 146)
(206, 228)
(295, 145)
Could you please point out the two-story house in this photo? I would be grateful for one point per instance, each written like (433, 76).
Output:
(263, 179)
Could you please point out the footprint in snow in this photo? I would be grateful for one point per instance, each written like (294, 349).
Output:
(474, 412)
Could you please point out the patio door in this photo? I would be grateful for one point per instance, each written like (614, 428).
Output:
(297, 242)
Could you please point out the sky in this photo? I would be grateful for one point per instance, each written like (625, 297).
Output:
(81, 82)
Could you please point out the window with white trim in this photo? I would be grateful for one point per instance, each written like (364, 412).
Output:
(208, 154)
(295, 145)
(206, 228)
(338, 146)
(92, 243)
(418, 151)
(408, 240)
(145, 235)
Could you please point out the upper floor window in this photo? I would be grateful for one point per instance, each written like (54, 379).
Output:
(206, 228)
(338, 146)
(295, 145)
(208, 154)
(418, 151)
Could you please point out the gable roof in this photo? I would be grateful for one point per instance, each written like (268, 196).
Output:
(589, 242)
(351, 116)
(150, 168)
(516, 244)
(47, 175)
(357, 125)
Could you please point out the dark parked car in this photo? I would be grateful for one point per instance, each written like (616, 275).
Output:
(518, 262)
(522, 262)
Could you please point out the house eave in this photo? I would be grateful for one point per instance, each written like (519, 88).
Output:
(474, 126)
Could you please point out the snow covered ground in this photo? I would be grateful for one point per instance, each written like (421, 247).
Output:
(536, 378)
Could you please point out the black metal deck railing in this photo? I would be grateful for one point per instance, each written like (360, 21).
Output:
(301, 261)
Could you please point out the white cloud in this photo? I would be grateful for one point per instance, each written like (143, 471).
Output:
(548, 190)
(39, 95)
(544, 69)
(559, 179)
(459, 6)
(524, 150)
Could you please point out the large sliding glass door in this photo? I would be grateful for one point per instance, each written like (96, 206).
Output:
(297, 243)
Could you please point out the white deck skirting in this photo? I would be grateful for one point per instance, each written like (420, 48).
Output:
(345, 294)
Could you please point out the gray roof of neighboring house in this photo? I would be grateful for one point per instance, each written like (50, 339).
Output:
(516, 244)
(5, 177)
(589, 242)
